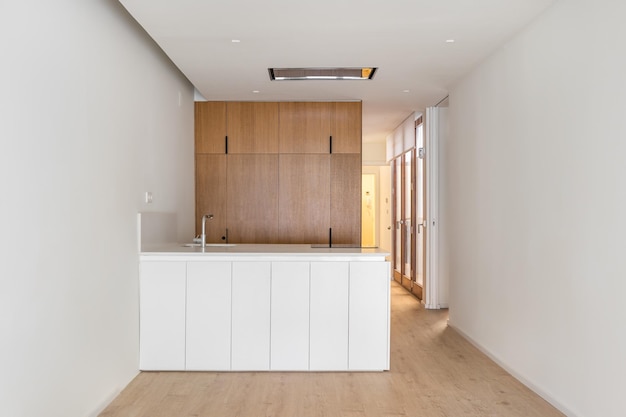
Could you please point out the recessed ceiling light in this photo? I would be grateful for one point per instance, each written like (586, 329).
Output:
(449, 40)
(235, 40)
(284, 74)
(406, 91)
(256, 91)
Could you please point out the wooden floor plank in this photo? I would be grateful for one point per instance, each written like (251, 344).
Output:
(434, 372)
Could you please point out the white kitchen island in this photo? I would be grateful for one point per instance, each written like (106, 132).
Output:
(264, 308)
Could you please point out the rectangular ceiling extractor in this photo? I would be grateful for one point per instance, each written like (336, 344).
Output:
(286, 74)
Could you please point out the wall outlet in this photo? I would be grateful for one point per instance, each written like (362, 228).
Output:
(149, 197)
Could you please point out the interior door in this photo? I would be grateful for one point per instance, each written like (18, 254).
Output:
(404, 213)
(420, 207)
(397, 238)
(409, 217)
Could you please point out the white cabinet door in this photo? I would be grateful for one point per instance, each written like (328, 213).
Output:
(290, 316)
(251, 316)
(369, 316)
(162, 316)
(329, 316)
(208, 316)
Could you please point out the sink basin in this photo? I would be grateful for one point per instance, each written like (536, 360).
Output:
(209, 245)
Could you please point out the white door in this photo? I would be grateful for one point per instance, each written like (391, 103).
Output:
(329, 316)
(369, 318)
(162, 316)
(208, 316)
(251, 316)
(290, 316)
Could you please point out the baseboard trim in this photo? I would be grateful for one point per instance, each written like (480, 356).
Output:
(530, 385)
(109, 398)
(435, 306)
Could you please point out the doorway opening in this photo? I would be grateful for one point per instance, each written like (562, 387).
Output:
(369, 197)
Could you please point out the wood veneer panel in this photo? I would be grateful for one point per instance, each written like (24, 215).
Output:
(252, 201)
(211, 195)
(210, 126)
(345, 198)
(304, 198)
(252, 127)
(304, 127)
(346, 124)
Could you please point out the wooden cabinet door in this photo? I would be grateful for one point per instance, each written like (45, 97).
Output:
(208, 316)
(211, 195)
(294, 201)
(252, 198)
(346, 127)
(369, 316)
(304, 127)
(345, 198)
(252, 127)
(162, 316)
(251, 316)
(290, 316)
(304, 198)
(329, 316)
(210, 127)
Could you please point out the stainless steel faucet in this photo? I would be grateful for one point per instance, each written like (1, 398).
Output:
(203, 235)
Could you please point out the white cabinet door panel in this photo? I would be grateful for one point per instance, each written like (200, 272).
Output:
(251, 316)
(329, 316)
(208, 316)
(290, 316)
(369, 318)
(162, 316)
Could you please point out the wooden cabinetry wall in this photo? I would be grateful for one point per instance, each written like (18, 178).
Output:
(279, 172)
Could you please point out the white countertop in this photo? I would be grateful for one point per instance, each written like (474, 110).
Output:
(177, 251)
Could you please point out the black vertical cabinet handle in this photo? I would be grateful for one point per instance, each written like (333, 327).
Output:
(226, 144)
(331, 144)
(330, 237)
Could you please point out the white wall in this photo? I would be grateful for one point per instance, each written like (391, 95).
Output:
(535, 196)
(374, 153)
(443, 267)
(402, 139)
(90, 119)
(385, 205)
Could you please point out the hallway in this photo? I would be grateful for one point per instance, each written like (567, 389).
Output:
(434, 372)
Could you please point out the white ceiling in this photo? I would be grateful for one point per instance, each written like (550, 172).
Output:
(405, 39)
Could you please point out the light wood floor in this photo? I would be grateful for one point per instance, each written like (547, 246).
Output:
(434, 372)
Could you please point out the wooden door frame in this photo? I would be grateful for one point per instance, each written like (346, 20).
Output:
(398, 164)
(408, 279)
(394, 235)
(415, 287)
(420, 291)
(394, 221)
(402, 218)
